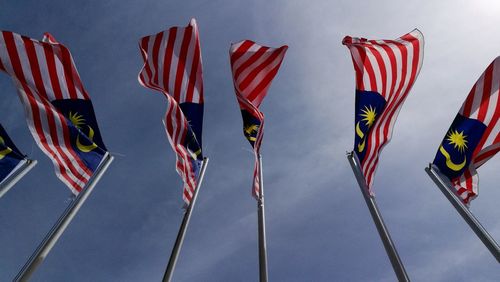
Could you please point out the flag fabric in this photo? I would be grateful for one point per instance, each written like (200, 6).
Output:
(173, 66)
(254, 68)
(58, 110)
(474, 135)
(385, 72)
(10, 156)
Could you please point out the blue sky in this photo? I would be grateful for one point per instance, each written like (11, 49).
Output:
(318, 226)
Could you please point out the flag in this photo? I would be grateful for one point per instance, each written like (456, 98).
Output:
(10, 157)
(173, 66)
(385, 72)
(58, 110)
(474, 135)
(254, 68)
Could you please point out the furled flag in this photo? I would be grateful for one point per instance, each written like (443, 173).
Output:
(10, 157)
(58, 109)
(172, 65)
(385, 72)
(254, 68)
(474, 135)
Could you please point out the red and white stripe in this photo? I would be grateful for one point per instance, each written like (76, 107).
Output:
(482, 104)
(44, 71)
(254, 68)
(388, 67)
(173, 66)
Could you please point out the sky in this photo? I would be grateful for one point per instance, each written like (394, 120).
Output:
(318, 225)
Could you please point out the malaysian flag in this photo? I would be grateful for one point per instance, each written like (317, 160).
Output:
(385, 72)
(172, 65)
(474, 135)
(254, 68)
(10, 157)
(58, 110)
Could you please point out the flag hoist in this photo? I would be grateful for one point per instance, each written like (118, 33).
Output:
(385, 71)
(13, 164)
(61, 119)
(173, 66)
(254, 68)
(472, 139)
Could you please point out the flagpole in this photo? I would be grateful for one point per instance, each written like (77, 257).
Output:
(51, 238)
(262, 226)
(389, 246)
(167, 277)
(445, 186)
(12, 179)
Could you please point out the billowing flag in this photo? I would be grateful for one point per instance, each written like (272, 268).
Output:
(474, 135)
(385, 72)
(254, 68)
(172, 65)
(10, 157)
(58, 110)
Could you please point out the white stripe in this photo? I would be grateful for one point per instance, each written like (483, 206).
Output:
(246, 72)
(161, 57)
(493, 95)
(376, 71)
(175, 60)
(478, 94)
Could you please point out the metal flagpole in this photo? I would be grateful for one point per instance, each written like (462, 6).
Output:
(446, 187)
(389, 246)
(51, 238)
(262, 227)
(12, 179)
(167, 277)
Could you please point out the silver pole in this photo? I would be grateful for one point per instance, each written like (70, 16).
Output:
(262, 227)
(12, 179)
(167, 277)
(51, 238)
(446, 187)
(389, 246)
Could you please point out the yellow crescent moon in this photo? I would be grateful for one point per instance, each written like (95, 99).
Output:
(449, 163)
(358, 131)
(361, 146)
(86, 148)
(5, 151)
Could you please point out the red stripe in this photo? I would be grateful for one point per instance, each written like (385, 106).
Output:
(194, 71)
(156, 49)
(249, 62)
(485, 97)
(469, 101)
(51, 66)
(68, 72)
(181, 63)
(241, 51)
(383, 71)
(392, 60)
(144, 46)
(16, 65)
(167, 60)
(1, 65)
(255, 72)
(369, 69)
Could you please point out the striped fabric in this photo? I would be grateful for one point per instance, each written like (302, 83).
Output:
(254, 67)
(46, 79)
(173, 66)
(482, 105)
(387, 68)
